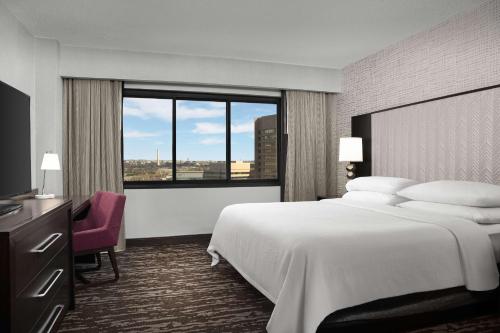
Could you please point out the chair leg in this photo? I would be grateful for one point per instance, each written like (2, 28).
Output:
(92, 268)
(112, 258)
(80, 277)
(99, 260)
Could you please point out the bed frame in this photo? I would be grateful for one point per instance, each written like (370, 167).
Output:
(429, 308)
(457, 138)
(412, 311)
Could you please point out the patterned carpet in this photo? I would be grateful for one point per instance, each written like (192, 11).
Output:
(172, 288)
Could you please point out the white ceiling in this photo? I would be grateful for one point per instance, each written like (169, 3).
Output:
(323, 33)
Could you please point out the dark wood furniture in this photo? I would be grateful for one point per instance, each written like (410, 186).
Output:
(321, 197)
(361, 126)
(36, 275)
(80, 206)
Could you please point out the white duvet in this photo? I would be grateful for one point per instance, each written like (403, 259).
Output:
(314, 258)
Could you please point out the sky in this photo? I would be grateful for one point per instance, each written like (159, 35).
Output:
(201, 129)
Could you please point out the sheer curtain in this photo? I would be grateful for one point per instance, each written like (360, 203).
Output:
(311, 148)
(92, 138)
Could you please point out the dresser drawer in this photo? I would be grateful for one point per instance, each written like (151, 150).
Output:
(36, 245)
(33, 300)
(54, 313)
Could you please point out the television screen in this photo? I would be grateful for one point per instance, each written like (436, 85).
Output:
(15, 151)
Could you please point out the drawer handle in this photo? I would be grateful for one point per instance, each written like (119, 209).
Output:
(52, 319)
(43, 246)
(50, 283)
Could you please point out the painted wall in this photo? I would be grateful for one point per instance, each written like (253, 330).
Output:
(35, 66)
(48, 127)
(17, 53)
(32, 65)
(171, 212)
(135, 66)
(460, 54)
(167, 212)
(17, 67)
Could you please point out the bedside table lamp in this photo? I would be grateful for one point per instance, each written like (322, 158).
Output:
(50, 162)
(351, 150)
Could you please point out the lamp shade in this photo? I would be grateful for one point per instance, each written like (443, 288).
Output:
(50, 162)
(351, 150)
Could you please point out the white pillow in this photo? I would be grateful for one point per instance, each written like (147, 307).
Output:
(455, 192)
(476, 214)
(389, 185)
(374, 197)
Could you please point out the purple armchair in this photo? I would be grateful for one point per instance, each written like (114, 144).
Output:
(99, 231)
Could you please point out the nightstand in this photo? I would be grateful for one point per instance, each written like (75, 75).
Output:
(321, 197)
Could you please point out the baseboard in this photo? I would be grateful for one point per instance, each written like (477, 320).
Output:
(170, 240)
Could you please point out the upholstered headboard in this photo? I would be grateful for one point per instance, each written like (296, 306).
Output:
(452, 137)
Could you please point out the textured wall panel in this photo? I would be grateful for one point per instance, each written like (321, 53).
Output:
(452, 138)
(460, 54)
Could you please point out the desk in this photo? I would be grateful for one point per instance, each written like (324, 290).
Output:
(80, 206)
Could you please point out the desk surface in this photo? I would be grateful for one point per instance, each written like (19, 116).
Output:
(80, 205)
(33, 208)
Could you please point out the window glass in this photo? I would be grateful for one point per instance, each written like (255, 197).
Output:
(147, 139)
(196, 130)
(254, 141)
(201, 140)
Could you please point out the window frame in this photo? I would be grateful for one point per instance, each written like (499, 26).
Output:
(207, 97)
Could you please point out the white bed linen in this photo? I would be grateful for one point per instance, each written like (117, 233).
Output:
(314, 258)
(374, 197)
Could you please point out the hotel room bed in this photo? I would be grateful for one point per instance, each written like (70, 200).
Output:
(314, 259)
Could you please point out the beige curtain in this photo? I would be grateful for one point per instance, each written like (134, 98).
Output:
(92, 138)
(311, 151)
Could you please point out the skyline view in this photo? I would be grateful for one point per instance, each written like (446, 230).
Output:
(201, 129)
(200, 140)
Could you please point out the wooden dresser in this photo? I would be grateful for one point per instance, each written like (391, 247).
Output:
(36, 266)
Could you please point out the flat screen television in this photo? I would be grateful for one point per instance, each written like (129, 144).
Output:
(15, 150)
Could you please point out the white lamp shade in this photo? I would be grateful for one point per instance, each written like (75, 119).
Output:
(50, 162)
(351, 150)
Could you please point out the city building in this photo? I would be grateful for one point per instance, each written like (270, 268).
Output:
(241, 170)
(266, 148)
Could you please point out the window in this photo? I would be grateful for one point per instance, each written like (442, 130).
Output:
(252, 126)
(201, 140)
(173, 139)
(147, 139)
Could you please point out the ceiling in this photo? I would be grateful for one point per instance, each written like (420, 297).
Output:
(322, 33)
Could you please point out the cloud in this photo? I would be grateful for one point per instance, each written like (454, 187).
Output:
(186, 112)
(213, 141)
(243, 128)
(216, 128)
(140, 134)
(209, 128)
(147, 108)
